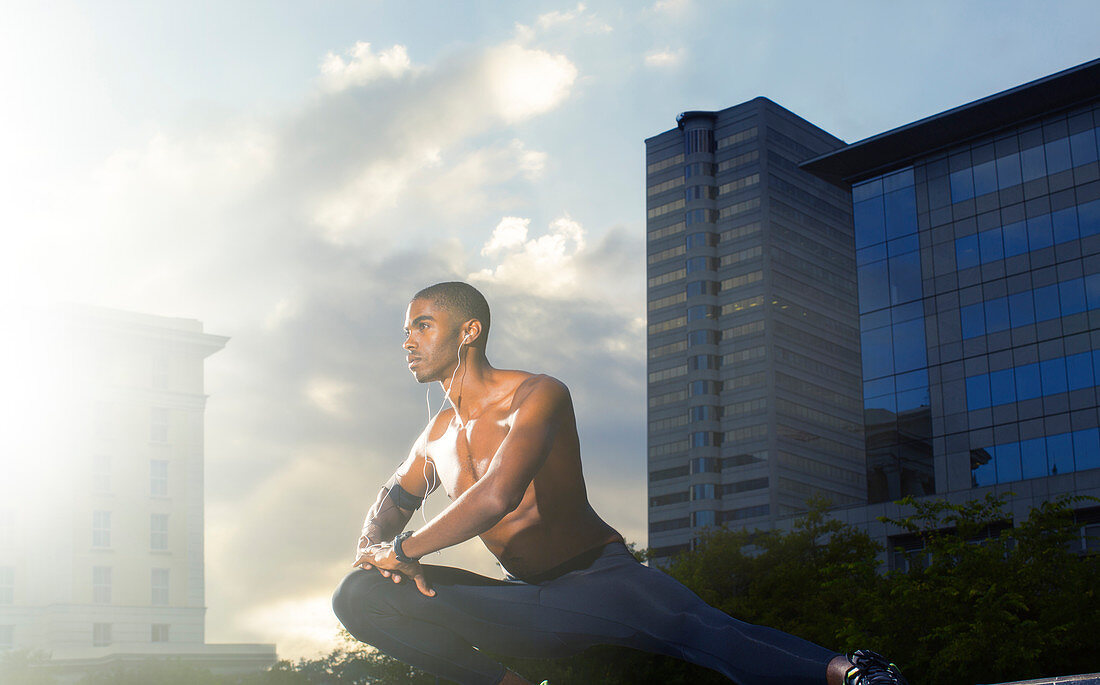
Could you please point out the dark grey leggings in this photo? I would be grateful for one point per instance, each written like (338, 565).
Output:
(613, 601)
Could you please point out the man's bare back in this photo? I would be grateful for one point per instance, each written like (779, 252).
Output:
(554, 521)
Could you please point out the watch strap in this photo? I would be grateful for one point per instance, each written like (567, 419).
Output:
(400, 553)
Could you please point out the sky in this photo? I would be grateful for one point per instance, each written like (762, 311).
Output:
(289, 173)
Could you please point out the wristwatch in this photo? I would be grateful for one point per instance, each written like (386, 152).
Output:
(398, 552)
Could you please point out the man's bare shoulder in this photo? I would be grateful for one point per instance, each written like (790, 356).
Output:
(539, 389)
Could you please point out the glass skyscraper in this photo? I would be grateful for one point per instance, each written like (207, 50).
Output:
(753, 341)
(977, 247)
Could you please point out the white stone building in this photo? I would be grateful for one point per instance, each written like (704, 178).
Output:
(101, 503)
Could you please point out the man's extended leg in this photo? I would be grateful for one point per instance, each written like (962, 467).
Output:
(614, 600)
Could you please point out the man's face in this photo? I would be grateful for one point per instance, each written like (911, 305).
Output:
(431, 341)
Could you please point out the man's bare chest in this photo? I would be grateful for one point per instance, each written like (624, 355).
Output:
(462, 455)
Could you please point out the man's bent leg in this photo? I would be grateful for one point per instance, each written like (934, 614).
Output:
(438, 634)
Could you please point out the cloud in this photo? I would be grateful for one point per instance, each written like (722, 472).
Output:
(671, 6)
(664, 58)
(578, 15)
(576, 20)
(363, 66)
(525, 82)
(510, 233)
(544, 266)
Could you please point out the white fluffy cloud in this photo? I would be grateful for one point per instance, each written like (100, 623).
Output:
(545, 266)
(579, 15)
(671, 6)
(363, 65)
(666, 57)
(525, 82)
(510, 233)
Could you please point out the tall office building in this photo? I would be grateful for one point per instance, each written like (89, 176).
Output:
(977, 238)
(101, 522)
(753, 345)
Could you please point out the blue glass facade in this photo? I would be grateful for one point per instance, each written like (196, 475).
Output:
(979, 292)
(893, 337)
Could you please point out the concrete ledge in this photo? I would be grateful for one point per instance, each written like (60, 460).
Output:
(1084, 679)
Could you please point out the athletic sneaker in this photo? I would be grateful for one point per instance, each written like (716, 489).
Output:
(869, 668)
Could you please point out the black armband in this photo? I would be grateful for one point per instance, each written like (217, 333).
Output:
(403, 498)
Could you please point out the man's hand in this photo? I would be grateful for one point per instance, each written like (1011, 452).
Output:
(382, 557)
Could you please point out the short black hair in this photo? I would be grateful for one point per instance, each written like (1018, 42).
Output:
(462, 299)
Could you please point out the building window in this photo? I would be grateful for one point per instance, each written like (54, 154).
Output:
(705, 413)
(158, 424)
(698, 169)
(7, 637)
(7, 585)
(665, 474)
(158, 477)
(101, 634)
(706, 439)
(159, 633)
(706, 465)
(704, 362)
(159, 585)
(705, 388)
(739, 137)
(101, 584)
(160, 371)
(745, 513)
(7, 528)
(696, 264)
(700, 216)
(703, 491)
(101, 529)
(699, 140)
(158, 532)
(673, 524)
(702, 311)
(671, 498)
(703, 239)
(702, 519)
(700, 193)
(703, 338)
(663, 164)
(697, 288)
(101, 473)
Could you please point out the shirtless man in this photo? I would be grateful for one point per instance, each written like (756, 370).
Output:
(507, 454)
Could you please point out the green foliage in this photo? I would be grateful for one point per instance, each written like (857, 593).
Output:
(992, 602)
(25, 667)
(802, 582)
(162, 672)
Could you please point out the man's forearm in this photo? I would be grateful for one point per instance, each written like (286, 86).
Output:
(470, 515)
(385, 519)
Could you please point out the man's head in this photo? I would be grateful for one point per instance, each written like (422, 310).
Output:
(440, 319)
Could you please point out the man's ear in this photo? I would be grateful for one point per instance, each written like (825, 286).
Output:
(471, 331)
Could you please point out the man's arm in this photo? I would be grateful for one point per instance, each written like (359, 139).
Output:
(535, 421)
(397, 500)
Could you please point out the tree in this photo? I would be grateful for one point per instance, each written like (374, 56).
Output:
(993, 601)
(25, 667)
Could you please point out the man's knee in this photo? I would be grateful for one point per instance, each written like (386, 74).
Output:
(359, 594)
